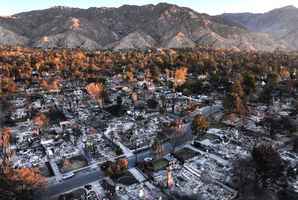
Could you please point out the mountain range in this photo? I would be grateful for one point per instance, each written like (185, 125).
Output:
(162, 25)
(281, 24)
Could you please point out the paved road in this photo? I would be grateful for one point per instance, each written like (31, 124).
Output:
(78, 180)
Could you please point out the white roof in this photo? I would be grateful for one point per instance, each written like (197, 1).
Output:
(213, 130)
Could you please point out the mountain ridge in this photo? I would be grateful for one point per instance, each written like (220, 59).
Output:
(130, 26)
(280, 23)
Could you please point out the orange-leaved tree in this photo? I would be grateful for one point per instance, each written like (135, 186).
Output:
(30, 177)
(200, 124)
(180, 76)
(8, 85)
(5, 138)
(96, 90)
(40, 120)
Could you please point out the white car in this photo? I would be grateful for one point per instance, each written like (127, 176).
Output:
(67, 175)
(148, 159)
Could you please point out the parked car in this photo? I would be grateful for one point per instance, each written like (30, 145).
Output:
(68, 175)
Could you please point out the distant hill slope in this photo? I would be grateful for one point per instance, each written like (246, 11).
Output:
(280, 23)
(161, 25)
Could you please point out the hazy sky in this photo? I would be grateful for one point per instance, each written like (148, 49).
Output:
(9, 7)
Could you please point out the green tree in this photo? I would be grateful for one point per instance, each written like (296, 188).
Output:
(273, 79)
(235, 100)
(249, 83)
(200, 125)
(269, 164)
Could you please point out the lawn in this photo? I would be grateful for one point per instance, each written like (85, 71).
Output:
(159, 164)
(126, 179)
(74, 163)
(185, 154)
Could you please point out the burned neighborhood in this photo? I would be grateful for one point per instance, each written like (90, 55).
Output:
(149, 124)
